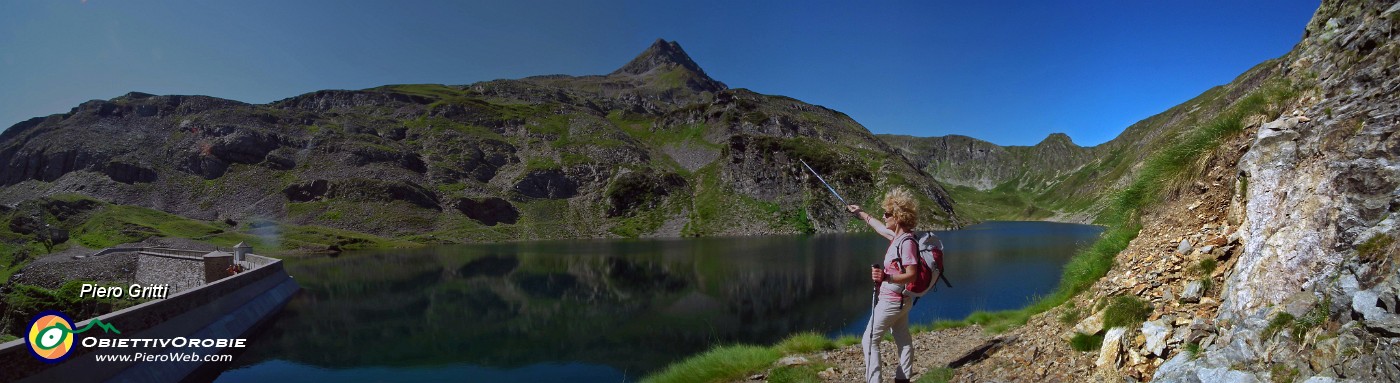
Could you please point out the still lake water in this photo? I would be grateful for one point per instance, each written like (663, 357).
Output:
(614, 310)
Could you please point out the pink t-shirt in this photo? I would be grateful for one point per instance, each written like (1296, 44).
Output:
(901, 250)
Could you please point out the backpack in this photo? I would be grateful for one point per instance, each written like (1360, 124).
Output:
(930, 266)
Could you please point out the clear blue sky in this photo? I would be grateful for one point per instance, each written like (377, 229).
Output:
(1010, 73)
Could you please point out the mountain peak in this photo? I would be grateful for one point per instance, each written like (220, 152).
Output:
(665, 57)
(1057, 138)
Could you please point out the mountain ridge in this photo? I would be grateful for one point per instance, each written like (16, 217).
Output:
(656, 148)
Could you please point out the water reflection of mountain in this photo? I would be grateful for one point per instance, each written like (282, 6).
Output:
(630, 305)
(587, 301)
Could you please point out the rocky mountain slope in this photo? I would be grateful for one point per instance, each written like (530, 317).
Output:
(1000, 182)
(655, 148)
(1272, 256)
(967, 161)
(1057, 179)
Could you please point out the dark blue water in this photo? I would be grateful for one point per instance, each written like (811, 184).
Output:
(614, 310)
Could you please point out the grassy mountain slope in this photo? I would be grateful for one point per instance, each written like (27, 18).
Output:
(1057, 179)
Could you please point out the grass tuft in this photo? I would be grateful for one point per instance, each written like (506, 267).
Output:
(1280, 322)
(797, 374)
(723, 363)
(1374, 248)
(1071, 315)
(803, 343)
(1086, 343)
(1206, 266)
(1125, 310)
(937, 375)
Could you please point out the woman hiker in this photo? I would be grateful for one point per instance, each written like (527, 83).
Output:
(891, 312)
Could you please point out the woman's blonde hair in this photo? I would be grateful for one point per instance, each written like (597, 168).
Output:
(902, 206)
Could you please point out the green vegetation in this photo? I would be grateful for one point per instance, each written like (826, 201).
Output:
(1374, 249)
(803, 343)
(1125, 310)
(24, 301)
(937, 375)
(1280, 322)
(1004, 202)
(1071, 315)
(720, 364)
(1203, 269)
(1297, 326)
(726, 363)
(106, 225)
(797, 374)
(1086, 343)
(540, 163)
(1281, 373)
(117, 224)
(1206, 266)
(1194, 348)
(7, 337)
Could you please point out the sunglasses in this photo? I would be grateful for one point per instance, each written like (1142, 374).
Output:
(887, 214)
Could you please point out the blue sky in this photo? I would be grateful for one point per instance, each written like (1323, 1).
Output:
(1007, 72)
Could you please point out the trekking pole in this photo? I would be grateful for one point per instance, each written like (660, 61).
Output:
(870, 325)
(819, 178)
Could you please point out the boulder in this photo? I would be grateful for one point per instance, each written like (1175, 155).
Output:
(1370, 306)
(549, 183)
(793, 361)
(489, 211)
(244, 146)
(1180, 368)
(1091, 325)
(1225, 375)
(128, 173)
(640, 190)
(306, 191)
(1192, 292)
(1184, 248)
(1155, 334)
(1112, 347)
(1299, 304)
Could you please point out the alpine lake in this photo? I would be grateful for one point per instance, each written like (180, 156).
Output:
(614, 310)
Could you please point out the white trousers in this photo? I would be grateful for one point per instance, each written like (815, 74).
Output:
(888, 316)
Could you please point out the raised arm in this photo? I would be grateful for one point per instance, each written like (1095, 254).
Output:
(876, 224)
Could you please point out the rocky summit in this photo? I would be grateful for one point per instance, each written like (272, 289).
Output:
(655, 148)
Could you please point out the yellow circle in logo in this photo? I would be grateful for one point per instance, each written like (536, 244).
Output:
(51, 336)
